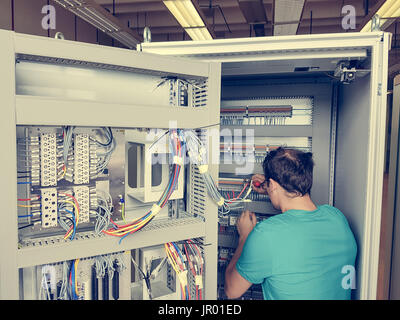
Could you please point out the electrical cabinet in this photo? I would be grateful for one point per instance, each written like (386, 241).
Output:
(323, 93)
(84, 167)
(95, 186)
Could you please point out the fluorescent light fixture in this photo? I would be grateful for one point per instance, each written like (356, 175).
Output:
(390, 9)
(98, 17)
(189, 18)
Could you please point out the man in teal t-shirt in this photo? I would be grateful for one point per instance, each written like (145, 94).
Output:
(303, 253)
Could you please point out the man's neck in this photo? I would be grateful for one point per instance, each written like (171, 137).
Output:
(298, 203)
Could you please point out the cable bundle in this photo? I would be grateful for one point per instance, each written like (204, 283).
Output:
(104, 212)
(182, 261)
(127, 229)
(73, 280)
(70, 218)
(195, 264)
(197, 155)
(177, 262)
(104, 150)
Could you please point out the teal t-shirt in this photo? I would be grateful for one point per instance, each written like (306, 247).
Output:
(300, 255)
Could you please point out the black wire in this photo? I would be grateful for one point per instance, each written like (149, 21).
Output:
(23, 172)
(23, 177)
(28, 225)
(108, 142)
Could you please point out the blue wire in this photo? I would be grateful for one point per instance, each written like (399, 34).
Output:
(73, 221)
(24, 182)
(74, 296)
(27, 215)
(178, 250)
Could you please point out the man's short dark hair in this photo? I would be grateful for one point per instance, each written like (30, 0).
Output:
(292, 169)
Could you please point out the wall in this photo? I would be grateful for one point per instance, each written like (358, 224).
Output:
(25, 16)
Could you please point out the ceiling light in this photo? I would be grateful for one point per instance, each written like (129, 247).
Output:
(390, 9)
(189, 18)
(101, 19)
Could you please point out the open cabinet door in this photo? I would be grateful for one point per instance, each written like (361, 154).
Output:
(348, 138)
(50, 82)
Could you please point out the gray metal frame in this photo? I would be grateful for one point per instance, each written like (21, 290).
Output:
(28, 110)
(394, 194)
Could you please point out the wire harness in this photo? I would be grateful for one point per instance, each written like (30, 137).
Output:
(123, 231)
(198, 156)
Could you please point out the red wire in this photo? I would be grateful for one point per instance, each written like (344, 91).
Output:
(73, 198)
(237, 198)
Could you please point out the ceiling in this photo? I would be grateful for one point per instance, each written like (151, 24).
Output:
(251, 18)
(240, 18)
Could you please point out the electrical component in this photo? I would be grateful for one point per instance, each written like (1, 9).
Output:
(255, 115)
(344, 72)
(49, 207)
(267, 111)
(81, 158)
(81, 194)
(48, 159)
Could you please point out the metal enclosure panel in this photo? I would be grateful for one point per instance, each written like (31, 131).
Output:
(211, 217)
(93, 53)
(360, 164)
(320, 131)
(375, 169)
(9, 278)
(351, 159)
(259, 48)
(29, 110)
(394, 193)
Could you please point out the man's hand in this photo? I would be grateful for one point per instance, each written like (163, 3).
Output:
(258, 183)
(245, 224)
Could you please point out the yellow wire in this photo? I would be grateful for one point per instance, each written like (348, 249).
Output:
(175, 267)
(75, 207)
(64, 169)
(76, 217)
(123, 212)
(76, 274)
(127, 229)
(25, 205)
(171, 260)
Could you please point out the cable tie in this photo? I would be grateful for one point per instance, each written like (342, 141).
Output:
(203, 168)
(183, 278)
(199, 281)
(221, 202)
(155, 209)
(178, 160)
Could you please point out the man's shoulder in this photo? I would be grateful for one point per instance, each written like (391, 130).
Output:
(272, 223)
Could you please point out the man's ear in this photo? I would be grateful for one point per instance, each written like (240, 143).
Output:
(273, 185)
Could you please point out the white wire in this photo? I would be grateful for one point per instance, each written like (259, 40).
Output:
(103, 212)
(197, 154)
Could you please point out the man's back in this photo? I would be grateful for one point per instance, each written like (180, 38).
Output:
(300, 255)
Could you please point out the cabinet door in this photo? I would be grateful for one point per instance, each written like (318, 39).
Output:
(51, 82)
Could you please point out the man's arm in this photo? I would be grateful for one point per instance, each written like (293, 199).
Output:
(235, 284)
